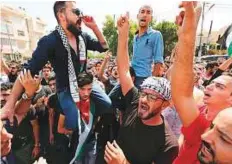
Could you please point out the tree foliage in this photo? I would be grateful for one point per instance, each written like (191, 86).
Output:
(110, 32)
(169, 32)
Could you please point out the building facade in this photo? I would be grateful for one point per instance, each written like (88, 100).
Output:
(19, 33)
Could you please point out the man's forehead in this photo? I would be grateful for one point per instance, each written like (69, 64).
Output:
(146, 7)
(6, 91)
(223, 79)
(224, 121)
(71, 4)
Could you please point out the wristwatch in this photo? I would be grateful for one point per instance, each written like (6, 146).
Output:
(25, 97)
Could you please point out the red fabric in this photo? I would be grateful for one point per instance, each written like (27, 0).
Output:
(84, 107)
(192, 140)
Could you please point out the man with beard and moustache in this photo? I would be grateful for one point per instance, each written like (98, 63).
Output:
(144, 136)
(147, 47)
(217, 95)
(216, 144)
(66, 49)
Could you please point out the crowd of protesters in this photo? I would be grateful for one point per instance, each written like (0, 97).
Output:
(63, 108)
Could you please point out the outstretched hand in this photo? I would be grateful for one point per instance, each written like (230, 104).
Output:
(89, 21)
(189, 16)
(123, 25)
(29, 83)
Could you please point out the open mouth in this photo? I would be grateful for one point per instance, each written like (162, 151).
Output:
(207, 95)
(206, 152)
(144, 107)
(143, 20)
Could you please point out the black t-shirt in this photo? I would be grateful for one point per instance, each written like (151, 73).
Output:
(23, 133)
(143, 144)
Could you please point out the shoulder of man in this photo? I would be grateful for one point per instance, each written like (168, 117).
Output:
(154, 32)
(50, 38)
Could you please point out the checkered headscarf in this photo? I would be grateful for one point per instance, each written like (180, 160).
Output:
(159, 85)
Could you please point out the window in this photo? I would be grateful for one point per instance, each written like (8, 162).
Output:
(20, 33)
(6, 28)
(8, 42)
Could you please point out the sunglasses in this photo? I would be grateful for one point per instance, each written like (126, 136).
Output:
(77, 11)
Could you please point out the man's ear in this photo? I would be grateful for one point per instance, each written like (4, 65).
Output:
(165, 104)
(60, 16)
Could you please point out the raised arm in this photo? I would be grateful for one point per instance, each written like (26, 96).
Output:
(39, 59)
(182, 75)
(30, 85)
(90, 22)
(4, 66)
(225, 65)
(122, 54)
(101, 75)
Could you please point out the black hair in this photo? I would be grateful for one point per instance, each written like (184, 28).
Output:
(211, 65)
(99, 62)
(51, 78)
(6, 86)
(84, 78)
(58, 5)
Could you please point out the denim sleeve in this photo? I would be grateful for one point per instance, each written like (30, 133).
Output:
(93, 44)
(39, 56)
(158, 50)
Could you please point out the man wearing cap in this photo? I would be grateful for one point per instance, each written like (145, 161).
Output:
(144, 137)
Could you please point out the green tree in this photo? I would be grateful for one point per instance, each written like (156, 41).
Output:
(111, 35)
(169, 32)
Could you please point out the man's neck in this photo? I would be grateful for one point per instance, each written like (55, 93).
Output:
(68, 33)
(155, 121)
(213, 110)
(142, 30)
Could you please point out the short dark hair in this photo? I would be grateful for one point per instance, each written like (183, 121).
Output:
(6, 86)
(51, 78)
(99, 62)
(84, 78)
(146, 6)
(211, 65)
(58, 5)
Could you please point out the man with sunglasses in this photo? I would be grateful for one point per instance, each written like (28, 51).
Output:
(66, 49)
(144, 136)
